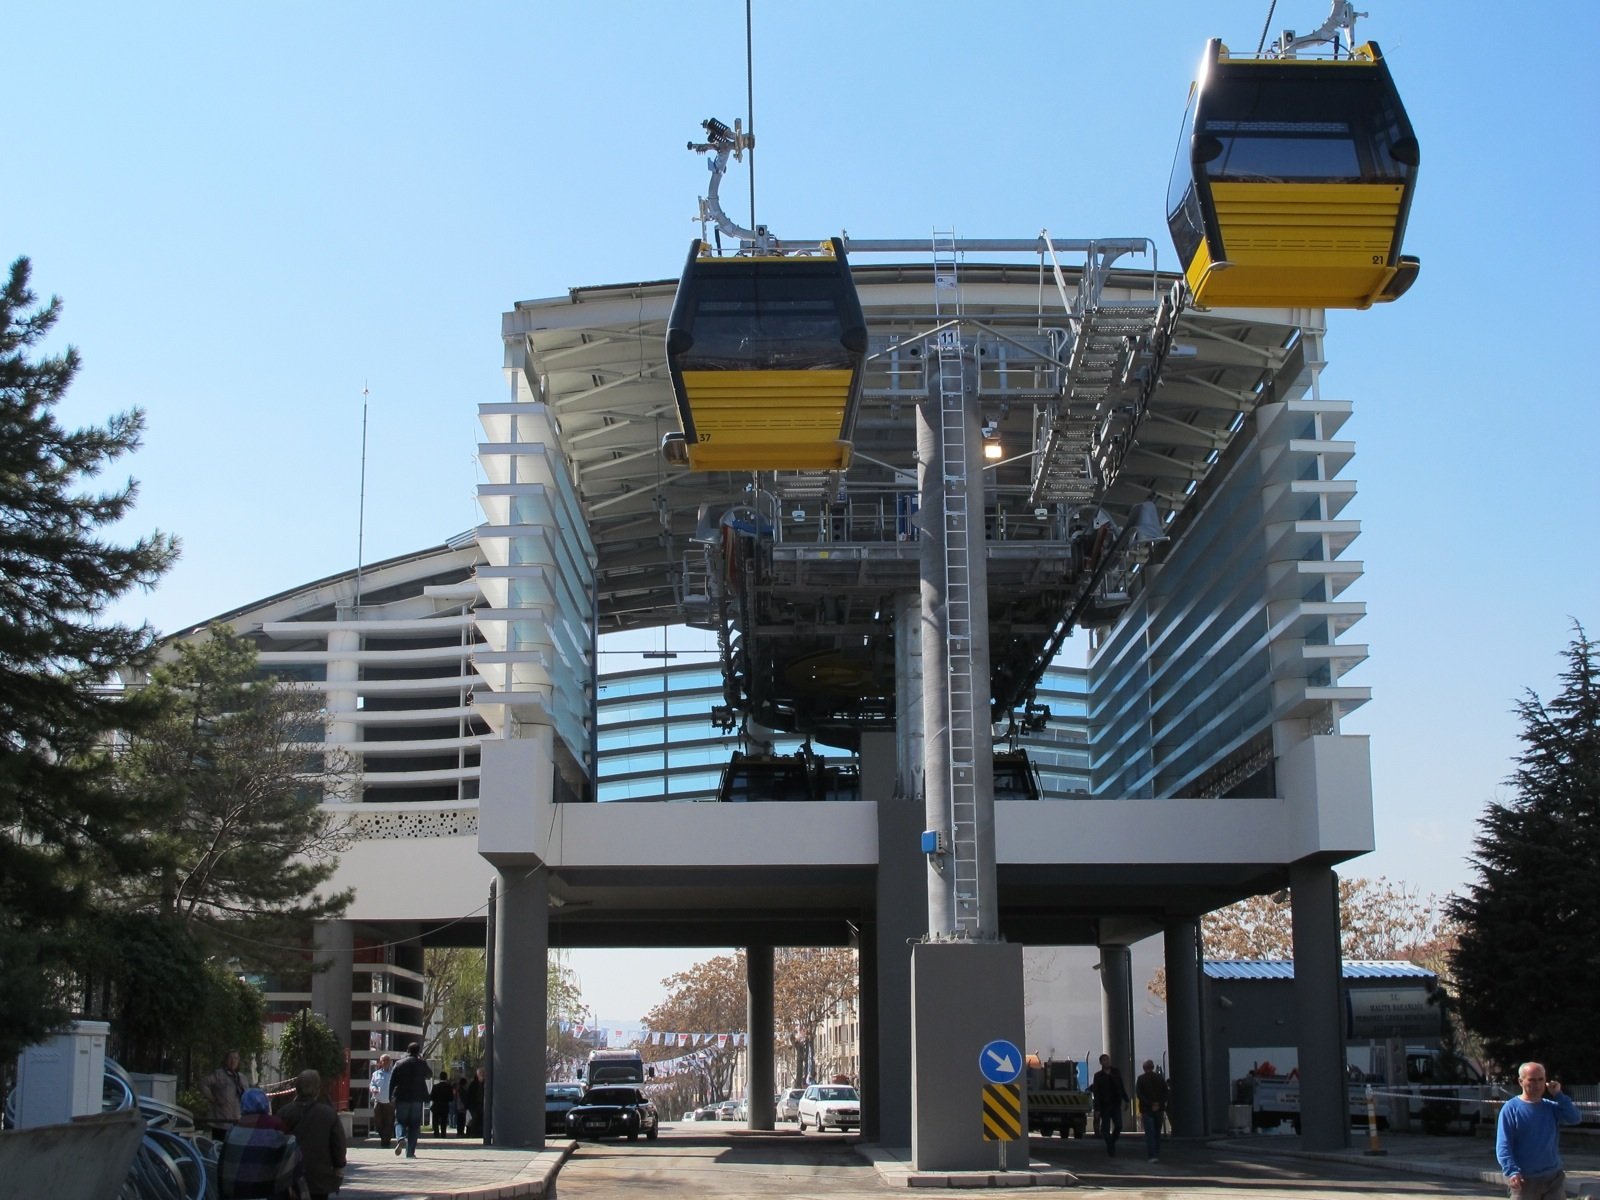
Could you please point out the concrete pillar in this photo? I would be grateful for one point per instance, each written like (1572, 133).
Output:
(965, 997)
(868, 1007)
(333, 985)
(342, 692)
(939, 881)
(1318, 972)
(901, 919)
(1185, 1059)
(759, 1084)
(521, 1001)
(1116, 1010)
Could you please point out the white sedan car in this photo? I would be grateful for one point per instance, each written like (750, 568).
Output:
(826, 1104)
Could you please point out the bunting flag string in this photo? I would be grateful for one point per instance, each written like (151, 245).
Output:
(622, 1038)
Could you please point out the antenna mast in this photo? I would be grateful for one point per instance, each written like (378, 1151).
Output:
(361, 504)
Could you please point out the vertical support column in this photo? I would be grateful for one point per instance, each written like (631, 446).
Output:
(1116, 1009)
(940, 877)
(521, 1001)
(1318, 968)
(900, 920)
(343, 691)
(871, 1050)
(758, 969)
(1185, 1058)
(333, 986)
(966, 996)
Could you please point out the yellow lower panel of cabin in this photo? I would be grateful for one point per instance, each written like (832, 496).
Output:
(768, 420)
(1298, 246)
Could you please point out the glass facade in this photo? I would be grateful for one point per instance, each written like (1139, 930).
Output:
(648, 751)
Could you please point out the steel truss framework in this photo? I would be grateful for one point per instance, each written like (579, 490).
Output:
(1100, 390)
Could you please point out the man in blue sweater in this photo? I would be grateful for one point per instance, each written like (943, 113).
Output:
(1528, 1140)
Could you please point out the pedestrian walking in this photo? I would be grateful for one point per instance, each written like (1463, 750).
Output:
(1110, 1094)
(382, 1100)
(409, 1087)
(1528, 1136)
(439, 1100)
(1150, 1089)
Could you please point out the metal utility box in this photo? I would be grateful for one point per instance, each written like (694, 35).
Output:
(62, 1078)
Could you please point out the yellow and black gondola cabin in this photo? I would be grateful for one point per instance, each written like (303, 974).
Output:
(766, 355)
(1292, 182)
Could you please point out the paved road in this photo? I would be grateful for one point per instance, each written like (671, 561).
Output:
(697, 1164)
(691, 1164)
(1207, 1171)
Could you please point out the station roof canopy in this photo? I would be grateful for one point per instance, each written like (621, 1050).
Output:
(596, 357)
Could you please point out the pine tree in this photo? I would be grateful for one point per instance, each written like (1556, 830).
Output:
(1528, 963)
(63, 826)
(238, 760)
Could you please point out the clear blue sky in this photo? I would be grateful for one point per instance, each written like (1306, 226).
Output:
(252, 211)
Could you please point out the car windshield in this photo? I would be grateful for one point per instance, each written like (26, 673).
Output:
(611, 1095)
(837, 1093)
(562, 1091)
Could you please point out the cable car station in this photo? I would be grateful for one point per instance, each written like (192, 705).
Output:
(895, 478)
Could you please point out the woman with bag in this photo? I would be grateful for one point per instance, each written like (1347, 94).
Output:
(259, 1159)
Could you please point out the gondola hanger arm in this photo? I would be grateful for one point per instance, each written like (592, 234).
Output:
(1342, 16)
(727, 142)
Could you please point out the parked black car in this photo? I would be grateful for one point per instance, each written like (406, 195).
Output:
(559, 1100)
(613, 1110)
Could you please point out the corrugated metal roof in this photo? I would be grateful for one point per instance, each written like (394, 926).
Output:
(1283, 968)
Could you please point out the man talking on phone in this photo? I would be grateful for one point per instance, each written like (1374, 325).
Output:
(1528, 1138)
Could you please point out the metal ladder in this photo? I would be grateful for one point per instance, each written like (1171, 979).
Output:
(961, 700)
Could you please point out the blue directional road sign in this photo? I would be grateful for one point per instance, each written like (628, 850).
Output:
(1000, 1061)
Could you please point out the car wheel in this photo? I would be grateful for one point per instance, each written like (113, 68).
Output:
(652, 1134)
(801, 1121)
(633, 1136)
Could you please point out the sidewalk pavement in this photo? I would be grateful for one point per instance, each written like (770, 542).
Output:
(1468, 1158)
(452, 1169)
(1448, 1157)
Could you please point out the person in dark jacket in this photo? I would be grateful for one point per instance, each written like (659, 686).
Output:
(320, 1133)
(1110, 1095)
(440, 1098)
(409, 1086)
(1151, 1089)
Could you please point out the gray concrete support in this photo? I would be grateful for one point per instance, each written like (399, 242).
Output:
(901, 919)
(1318, 971)
(965, 995)
(1116, 1009)
(1185, 1055)
(333, 982)
(759, 1084)
(521, 1000)
(871, 1050)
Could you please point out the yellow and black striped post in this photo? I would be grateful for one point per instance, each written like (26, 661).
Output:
(1002, 1112)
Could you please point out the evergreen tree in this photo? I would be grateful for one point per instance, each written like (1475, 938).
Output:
(238, 760)
(1527, 967)
(63, 826)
